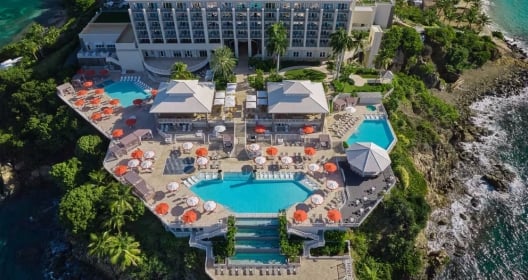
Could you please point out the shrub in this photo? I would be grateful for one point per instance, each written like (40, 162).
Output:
(305, 74)
(497, 34)
(402, 173)
(345, 145)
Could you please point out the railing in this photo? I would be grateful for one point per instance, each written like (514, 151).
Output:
(177, 120)
(257, 215)
(198, 66)
(303, 233)
(156, 70)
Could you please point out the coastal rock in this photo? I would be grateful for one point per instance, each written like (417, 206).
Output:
(8, 182)
(475, 202)
(443, 221)
(499, 177)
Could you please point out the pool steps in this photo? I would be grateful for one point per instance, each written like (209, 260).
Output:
(375, 116)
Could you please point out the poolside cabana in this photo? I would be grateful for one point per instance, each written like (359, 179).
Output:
(134, 139)
(369, 98)
(65, 89)
(141, 188)
(367, 159)
(296, 104)
(182, 104)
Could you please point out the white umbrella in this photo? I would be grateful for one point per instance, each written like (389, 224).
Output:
(202, 161)
(260, 160)
(187, 145)
(220, 128)
(172, 186)
(254, 147)
(350, 109)
(193, 201)
(146, 164)
(220, 94)
(313, 167)
(209, 205)
(133, 163)
(365, 198)
(286, 160)
(331, 184)
(317, 199)
(149, 154)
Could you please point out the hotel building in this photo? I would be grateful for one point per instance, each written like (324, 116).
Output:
(162, 32)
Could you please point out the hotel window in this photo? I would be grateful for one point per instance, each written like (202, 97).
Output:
(181, 5)
(188, 54)
(270, 5)
(342, 6)
(176, 53)
(203, 53)
(99, 46)
(308, 54)
(295, 54)
(197, 5)
(139, 5)
(212, 5)
(153, 5)
(145, 53)
(167, 5)
(161, 53)
(322, 54)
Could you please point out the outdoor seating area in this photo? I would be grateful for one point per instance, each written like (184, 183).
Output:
(343, 124)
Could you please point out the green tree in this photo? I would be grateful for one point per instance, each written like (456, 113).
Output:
(360, 41)
(471, 16)
(223, 62)
(124, 251)
(78, 208)
(120, 199)
(340, 42)
(179, 72)
(81, 6)
(89, 149)
(482, 20)
(66, 174)
(277, 41)
(99, 245)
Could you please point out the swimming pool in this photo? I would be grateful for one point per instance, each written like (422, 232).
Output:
(257, 258)
(242, 194)
(371, 108)
(126, 92)
(377, 131)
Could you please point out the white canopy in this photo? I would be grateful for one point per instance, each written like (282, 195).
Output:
(172, 186)
(187, 145)
(220, 94)
(193, 201)
(133, 163)
(251, 105)
(202, 161)
(230, 101)
(350, 109)
(313, 167)
(220, 128)
(260, 160)
(251, 98)
(219, 101)
(287, 160)
(149, 154)
(231, 88)
(254, 147)
(209, 205)
(317, 199)
(367, 159)
(331, 184)
(146, 164)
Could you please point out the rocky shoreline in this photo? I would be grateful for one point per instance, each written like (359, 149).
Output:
(455, 217)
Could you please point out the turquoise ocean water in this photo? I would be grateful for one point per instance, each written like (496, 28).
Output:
(500, 249)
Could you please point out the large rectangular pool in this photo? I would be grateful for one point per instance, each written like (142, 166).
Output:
(376, 131)
(126, 92)
(240, 193)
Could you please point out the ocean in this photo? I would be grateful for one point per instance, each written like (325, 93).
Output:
(16, 15)
(499, 248)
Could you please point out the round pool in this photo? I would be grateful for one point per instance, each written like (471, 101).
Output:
(371, 108)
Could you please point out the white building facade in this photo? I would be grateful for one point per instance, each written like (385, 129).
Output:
(167, 30)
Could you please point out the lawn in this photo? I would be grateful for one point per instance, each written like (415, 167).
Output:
(305, 74)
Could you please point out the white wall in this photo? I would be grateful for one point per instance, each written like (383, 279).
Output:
(363, 16)
(129, 58)
(383, 15)
(92, 39)
(375, 36)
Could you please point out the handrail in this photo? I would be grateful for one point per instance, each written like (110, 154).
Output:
(159, 71)
(303, 233)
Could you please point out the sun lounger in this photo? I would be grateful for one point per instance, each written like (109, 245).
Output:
(187, 184)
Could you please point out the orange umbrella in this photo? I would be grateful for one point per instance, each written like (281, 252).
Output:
(114, 102)
(138, 153)
(310, 151)
(120, 170)
(201, 152)
(260, 129)
(300, 215)
(79, 103)
(117, 133)
(330, 167)
(96, 116)
(308, 129)
(272, 151)
(99, 90)
(108, 110)
(130, 122)
(154, 92)
(82, 92)
(95, 101)
(88, 84)
(189, 217)
(334, 215)
(162, 208)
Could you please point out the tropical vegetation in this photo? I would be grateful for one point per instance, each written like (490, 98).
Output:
(223, 62)
(277, 41)
(179, 72)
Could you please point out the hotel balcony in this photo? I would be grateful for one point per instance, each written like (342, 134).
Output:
(162, 65)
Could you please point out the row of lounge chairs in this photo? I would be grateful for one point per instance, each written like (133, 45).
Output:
(208, 175)
(191, 181)
(130, 78)
(275, 175)
(256, 270)
(343, 125)
(142, 85)
(375, 116)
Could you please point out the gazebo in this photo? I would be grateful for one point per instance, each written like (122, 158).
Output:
(367, 159)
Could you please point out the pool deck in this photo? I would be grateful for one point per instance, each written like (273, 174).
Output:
(355, 197)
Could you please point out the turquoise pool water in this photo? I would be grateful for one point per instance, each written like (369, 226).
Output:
(257, 258)
(241, 194)
(126, 92)
(371, 108)
(376, 131)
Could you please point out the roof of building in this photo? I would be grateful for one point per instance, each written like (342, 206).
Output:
(184, 96)
(297, 97)
(367, 158)
(104, 28)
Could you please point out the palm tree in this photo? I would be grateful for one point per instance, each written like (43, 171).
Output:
(277, 41)
(483, 20)
(120, 198)
(471, 16)
(179, 72)
(124, 251)
(223, 62)
(99, 244)
(99, 177)
(115, 221)
(340, 41)
(449, 14)
(360, 41)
